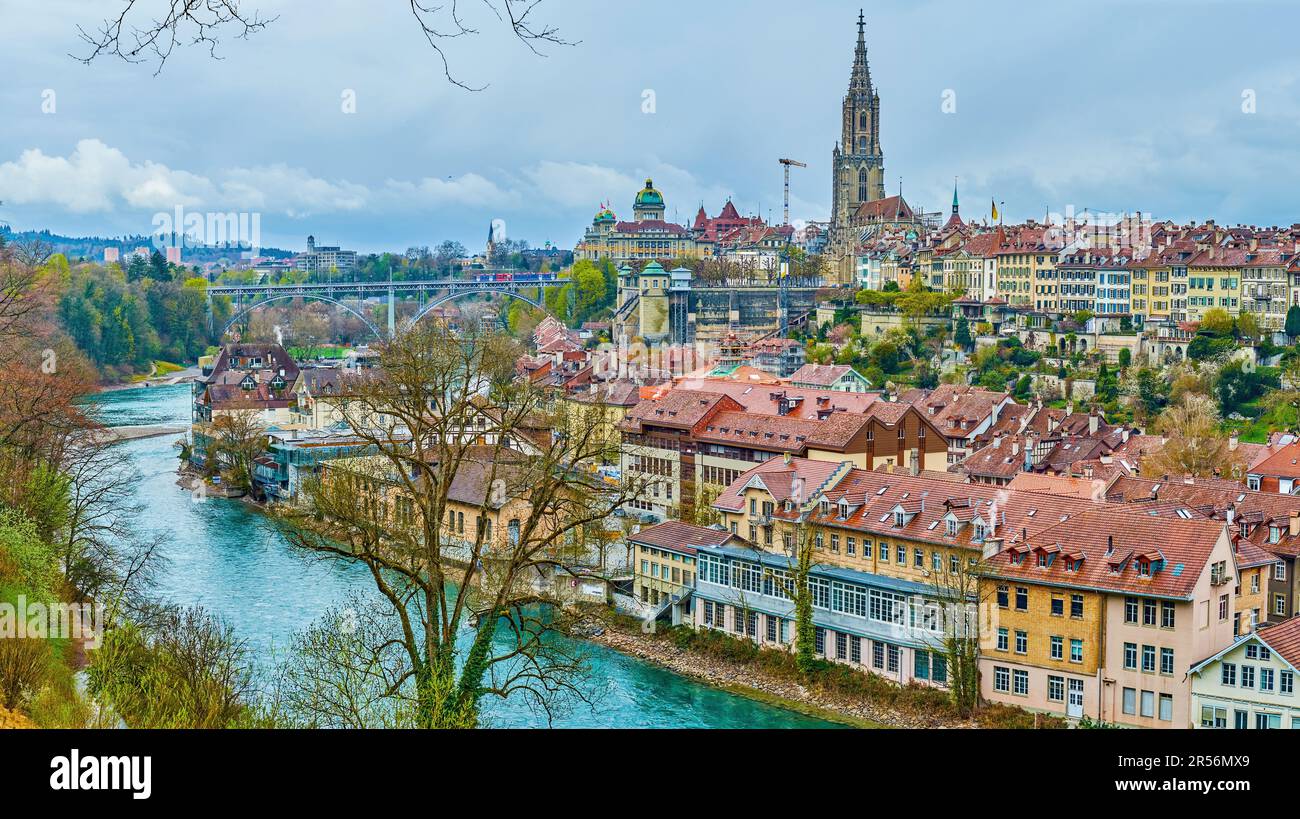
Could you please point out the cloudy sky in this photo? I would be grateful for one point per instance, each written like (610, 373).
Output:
(1105, 105)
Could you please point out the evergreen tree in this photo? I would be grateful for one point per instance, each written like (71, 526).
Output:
(1293, 321)
(962, 334)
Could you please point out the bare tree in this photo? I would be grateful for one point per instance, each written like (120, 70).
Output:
(447, 411)
(957, 586)
(192, 22)
(309, 329)
(238, 438)
(103, 556)
(135, 36)
(339, 672)
(23, 294)
(1194, 443)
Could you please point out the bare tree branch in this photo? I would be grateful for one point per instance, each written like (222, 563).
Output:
(205, 22)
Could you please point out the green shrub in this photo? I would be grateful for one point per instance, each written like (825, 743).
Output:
(997, 715)
(24, 669)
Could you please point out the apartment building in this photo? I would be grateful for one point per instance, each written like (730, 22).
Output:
(1101, 615)
(838, 377)
(780, 356)
(961, 413)
(868, 611)
(1250, 684)
(1265, 286)
(664, 564)
(1269, 521)
(689, 443)
(885, 626)
(1214, 281)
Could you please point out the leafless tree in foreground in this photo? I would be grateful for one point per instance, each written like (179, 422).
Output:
(467, 519)
(134, 36)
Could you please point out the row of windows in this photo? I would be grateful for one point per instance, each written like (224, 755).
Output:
(1147, 611)
(1056, 606)
(1056, 643)
(1144, 703)
(718, 476)
(830, 595)
(1266, 677)
(885, 657)
(1216, 716)
(1148, 659)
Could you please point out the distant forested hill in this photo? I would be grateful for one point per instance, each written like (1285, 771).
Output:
(92, 247)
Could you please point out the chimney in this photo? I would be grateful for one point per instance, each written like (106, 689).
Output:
(1015, 448)
(914, 465)
(1233, 441)
(1294, 523)
(1189, 480)
(1093, 423)
(997, 441)
(787, 459)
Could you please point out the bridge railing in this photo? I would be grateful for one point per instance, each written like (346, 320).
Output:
(380, 288)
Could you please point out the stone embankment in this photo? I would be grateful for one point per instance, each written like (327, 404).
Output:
(744, 679)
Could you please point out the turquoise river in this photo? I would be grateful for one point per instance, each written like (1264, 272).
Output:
(221, 555)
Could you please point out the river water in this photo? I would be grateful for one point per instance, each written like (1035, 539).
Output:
(222, 555)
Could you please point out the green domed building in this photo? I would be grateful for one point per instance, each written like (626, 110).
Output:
(649, 205)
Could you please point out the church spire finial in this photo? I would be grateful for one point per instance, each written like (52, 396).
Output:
(861, 79)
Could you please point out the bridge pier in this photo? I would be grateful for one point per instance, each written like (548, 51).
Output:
(392, 313)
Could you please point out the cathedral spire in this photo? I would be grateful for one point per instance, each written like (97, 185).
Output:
(861, 78)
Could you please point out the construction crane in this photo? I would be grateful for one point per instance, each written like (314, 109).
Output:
(787, 163)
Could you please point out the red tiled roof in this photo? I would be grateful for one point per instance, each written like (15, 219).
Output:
(820, 375)
(760, 397)
(678, 409)
(679, 536)
(874, 495)
(1283, 463)
(890, 208)
(1111, 541)
(1283, 639)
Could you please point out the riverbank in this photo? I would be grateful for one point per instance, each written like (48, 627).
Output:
(171, 378)
(750, 680)
(151, 431)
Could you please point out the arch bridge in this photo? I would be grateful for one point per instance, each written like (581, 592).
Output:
(430, 292)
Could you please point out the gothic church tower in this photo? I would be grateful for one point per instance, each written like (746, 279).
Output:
(858, 162)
